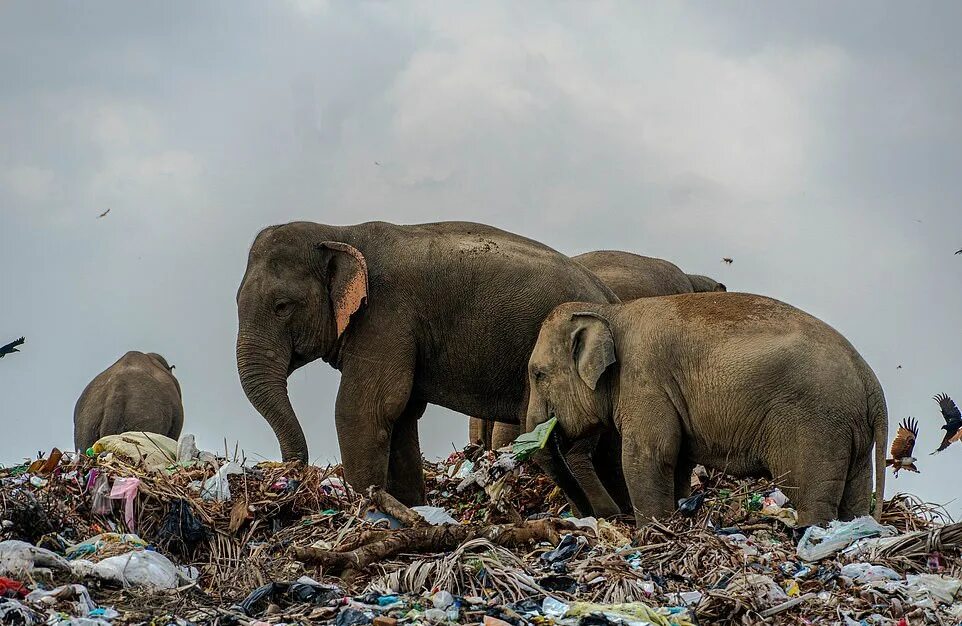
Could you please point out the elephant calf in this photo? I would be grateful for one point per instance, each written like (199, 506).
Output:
(737, 382)
(137, 393)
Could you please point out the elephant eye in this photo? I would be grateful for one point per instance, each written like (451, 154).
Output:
(539, 375)
(283, 308)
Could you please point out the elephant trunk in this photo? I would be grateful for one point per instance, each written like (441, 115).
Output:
(263, 366)
(556, 466)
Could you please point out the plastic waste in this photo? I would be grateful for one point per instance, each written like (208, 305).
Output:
(935, 563)
(10, 588)
(941, 589)
(553, 608)
(375, 516)
(216, 487)
(818, 543)
(866, 572)
(442, 599)
(686, 598)
(13, 613)
(187, 449)
(629, 613)
(126, 489)
(303, 590)
(353, 617)
(490, 620)
(436, 516)
(83, 603)
(528, 443)
(100, 502)
(787, 516)
(98, 542)
(558, 582)
(754, 502)
(761, 586)
(689, 506)
(153, 450)
(19, 559)
(568, 547)
(180, 529)
(141, 568)
(435, 616)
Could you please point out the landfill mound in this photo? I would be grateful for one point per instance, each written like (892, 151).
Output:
(197, 539)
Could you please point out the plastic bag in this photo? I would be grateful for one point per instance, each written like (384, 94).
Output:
(818, 543)
(180, 529)
(434, 515)
(568, 547)
(866, 572)
(629, 613)
(187, 449)
(155, 451)
(688, 507)
(939, 588)
(126, 489)
(13, 613)
(100, 502)
(216, 487)
(83, 605)
(528, 443)
(97, 543)
(19, 559)
(142, 568)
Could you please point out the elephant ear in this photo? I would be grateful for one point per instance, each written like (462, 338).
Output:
(346, 280)
(592, 346)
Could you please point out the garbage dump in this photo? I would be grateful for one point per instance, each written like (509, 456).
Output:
(185, 538)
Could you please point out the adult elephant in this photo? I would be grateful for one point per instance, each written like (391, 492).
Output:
(444, 313)
(630, 276)
(137, 393)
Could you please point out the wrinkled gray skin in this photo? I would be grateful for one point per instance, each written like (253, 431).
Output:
(736, 382)
(443, 313)
(630, 276)
(137, 393)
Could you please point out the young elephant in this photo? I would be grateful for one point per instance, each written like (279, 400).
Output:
(630, 276)
(137, 393)
(737, 382)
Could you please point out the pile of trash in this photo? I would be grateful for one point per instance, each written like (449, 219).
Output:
(146, 530)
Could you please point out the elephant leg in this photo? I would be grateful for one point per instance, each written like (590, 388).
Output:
(480, 431)
(815, 477)
(683, 470)
(503, 434)
(405, 478)
(857, 495)
(370, 401)
(579, 458)
(651, 443)
(607, 462)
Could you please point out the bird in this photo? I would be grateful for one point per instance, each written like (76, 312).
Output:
(728, 260)
(103, 214)
(10, 347)
(899, 367)
(958, 251)
(902, 446)
(953, 421)
(376, 163)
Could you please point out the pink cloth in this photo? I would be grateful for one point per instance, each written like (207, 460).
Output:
(126, 489)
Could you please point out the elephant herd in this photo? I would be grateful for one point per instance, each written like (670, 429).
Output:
(648, 370)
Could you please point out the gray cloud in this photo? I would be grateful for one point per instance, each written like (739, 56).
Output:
(804, 143)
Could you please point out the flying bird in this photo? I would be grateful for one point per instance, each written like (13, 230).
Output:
(899, 367)
(10, 347)
(103, 214)
(953, 421)
(902, 446)
(728, 260)
(959, 252)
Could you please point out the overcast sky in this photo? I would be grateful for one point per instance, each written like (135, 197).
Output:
(818, 146)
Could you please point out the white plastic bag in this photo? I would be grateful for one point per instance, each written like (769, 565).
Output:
(141, 568)
(13, 612)
(216, 487)
(942, 589)
(83, 605)
(818, 543)
(435, 516)
(866, 572)
(19, 559)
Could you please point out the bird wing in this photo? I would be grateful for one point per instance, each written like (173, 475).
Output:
(949, 411)
(949, 437)
(905, 438)
(959, 252)
(104, 213)
(10, 346)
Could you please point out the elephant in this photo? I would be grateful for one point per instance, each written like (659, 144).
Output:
(139, 392)
(629, 276)
(736, 382)
(443, 313)
(700, 284)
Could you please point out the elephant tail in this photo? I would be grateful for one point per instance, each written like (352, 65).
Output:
(880, 423)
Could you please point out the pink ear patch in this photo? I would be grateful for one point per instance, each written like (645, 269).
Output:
(349, 287)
